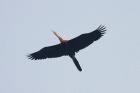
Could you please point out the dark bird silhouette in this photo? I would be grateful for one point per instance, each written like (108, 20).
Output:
(69, 47)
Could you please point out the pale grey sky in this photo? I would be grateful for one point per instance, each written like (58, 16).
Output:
(110, 65)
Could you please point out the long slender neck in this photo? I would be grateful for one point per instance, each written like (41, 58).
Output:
(60, 38)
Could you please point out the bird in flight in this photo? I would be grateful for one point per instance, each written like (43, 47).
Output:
(69, 47)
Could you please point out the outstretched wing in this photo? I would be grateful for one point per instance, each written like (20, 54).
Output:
(49, 52)
(85, 40)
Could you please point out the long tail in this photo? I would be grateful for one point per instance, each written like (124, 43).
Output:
(76, 63)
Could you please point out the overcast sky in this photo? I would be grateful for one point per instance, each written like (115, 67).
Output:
(110, 65)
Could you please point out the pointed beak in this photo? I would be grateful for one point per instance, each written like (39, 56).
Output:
(54, 32)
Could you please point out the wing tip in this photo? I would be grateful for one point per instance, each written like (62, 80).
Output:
(31, 57)
(102, 29)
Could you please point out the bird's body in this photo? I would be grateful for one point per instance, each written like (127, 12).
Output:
(69, 47)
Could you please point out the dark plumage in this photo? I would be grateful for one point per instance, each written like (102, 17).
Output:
(70, 47)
